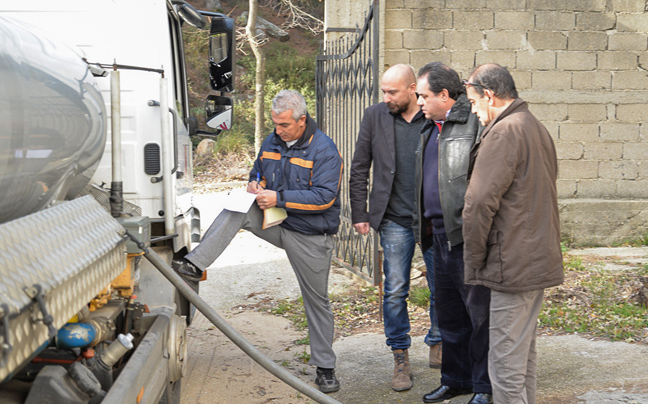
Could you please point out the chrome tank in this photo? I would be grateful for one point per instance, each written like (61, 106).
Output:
(52, 121)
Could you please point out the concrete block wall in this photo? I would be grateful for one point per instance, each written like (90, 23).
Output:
(583, 67)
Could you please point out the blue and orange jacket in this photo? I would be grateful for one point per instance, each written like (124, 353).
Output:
(307, 178)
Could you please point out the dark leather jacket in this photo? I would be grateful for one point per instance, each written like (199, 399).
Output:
(460, 132)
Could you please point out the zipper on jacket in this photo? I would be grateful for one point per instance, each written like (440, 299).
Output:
(449, 246)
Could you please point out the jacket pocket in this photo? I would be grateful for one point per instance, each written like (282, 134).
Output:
(492, 272)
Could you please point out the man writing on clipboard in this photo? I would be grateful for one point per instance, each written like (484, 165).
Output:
(298, 169)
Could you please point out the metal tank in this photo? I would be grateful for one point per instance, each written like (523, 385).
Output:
(52, 121)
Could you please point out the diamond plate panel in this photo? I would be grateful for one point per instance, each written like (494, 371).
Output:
(73, 250)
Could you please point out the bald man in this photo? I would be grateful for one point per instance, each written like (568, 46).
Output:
(388, 138)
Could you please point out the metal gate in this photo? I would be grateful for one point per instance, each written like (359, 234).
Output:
(347, 82)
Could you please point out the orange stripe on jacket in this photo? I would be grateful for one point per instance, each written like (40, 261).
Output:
(301, 162)
(302, 206)
(270, 156)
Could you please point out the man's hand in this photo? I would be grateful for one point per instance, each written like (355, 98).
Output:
(254, 187)
(266, 198)
(361, 228)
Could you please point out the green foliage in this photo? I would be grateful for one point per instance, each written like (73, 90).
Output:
(596, 302)
(640, 241)
(304, 356)
(420, 296)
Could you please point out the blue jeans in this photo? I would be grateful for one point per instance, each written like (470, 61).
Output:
(398, 248)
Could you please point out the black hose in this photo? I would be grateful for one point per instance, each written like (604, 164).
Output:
(228, 330)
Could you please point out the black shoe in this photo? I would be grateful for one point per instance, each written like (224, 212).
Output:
(481, 398)
(326, 380)
(443, 393)
(190, 273)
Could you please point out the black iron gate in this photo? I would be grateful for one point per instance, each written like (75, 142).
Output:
(347, 83)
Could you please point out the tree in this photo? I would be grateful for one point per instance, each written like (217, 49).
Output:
(259, 55)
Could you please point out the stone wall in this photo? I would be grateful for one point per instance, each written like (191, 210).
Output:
(582, 66)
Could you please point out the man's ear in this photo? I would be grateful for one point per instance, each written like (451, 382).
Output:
(489, 95)
(302, 120)
(445, 94)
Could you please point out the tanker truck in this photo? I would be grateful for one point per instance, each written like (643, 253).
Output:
(95, 143)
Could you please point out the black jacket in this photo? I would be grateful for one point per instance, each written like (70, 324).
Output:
(460, 132)
(375, 144)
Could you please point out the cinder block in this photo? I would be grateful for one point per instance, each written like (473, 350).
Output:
(551, 80)
(393, 57)
(418, 39)
(632, 189)
(579, 132)
(618, 170)
(420, 58)
(393, 39)
(575, 5)
(635, 151)
(431, 19)
(617, 60)
(522, 79)
(554, 20)
(643, 61)
(637, 80)
(473, 20)
(627, 41)
(577, 169)
(596, 188)
(535, 60)
(643, 169)
(595, 21)
(544, 40)
(398, 19)
(514, 20)
(506, 4)
(463, 40)
(463, 62)
(569, 150)
(503, 58)
(627, 6)
(587, 112)
(603, 151)
(394, 5)
(505, 40)
(587, 41)
(620, 132)
(643, 131)
(549, 112)
(632, 22)
(553, 128)
(466, 4)
(423, 4)
(576, 61)
(566, 188)
(596, 80)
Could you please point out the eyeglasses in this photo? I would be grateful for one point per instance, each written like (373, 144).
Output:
(468, 83)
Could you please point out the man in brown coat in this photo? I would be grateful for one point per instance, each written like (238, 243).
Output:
(511, 227)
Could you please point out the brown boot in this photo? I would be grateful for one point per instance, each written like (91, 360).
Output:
(435, 356)
(402, 372)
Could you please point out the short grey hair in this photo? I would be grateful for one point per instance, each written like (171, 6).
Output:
(289, 99)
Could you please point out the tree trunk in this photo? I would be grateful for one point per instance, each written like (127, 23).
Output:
(250, 30)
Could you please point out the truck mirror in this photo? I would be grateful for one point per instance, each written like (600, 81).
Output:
(219, 112)
(221, 53)
(191, 16)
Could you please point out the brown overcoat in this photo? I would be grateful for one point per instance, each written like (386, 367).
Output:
(511, 227)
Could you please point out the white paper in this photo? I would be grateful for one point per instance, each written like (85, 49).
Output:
(239, 200)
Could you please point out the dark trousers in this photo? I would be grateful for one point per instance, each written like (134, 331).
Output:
(463, 312)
